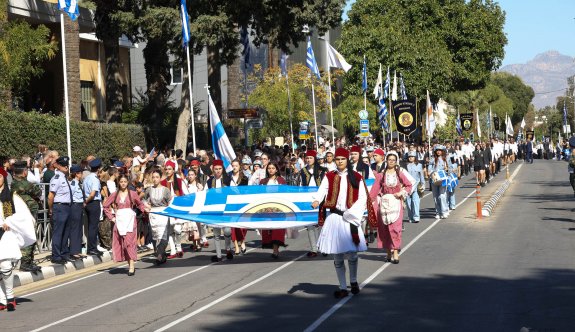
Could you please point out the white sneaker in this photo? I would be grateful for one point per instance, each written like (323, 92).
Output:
(150, 245)
(437, 216)
(445, 215)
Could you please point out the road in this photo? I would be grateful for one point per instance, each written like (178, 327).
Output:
(513, 270)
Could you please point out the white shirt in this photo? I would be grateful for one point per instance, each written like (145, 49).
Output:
(34, 176)
(138, 160)
(312, 179)
(111, 184)
(257, 176)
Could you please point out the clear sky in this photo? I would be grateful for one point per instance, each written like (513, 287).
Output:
(535, 26)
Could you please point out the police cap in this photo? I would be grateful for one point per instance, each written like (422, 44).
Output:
(63, 161)
(96, 163)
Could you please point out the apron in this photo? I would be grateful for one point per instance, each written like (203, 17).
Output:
(125, 221)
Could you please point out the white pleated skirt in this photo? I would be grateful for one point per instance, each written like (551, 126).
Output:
(335, 237)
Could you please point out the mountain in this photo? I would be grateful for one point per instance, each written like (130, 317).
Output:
(547, 74)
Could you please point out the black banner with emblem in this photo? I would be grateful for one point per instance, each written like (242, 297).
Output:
(466, 121)
(405, 115)
(529, 134)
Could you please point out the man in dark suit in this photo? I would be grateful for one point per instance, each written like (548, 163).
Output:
(529, 151)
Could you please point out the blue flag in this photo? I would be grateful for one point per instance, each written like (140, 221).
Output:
(382, 114)
(70, 7)
(185, 25)
(310, 59)
(364, 77)
(245, 40)
(402, 87)
(386, 85)
(564, 113)
(458, 125)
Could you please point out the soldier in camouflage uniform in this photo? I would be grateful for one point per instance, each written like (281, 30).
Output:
(31, 195)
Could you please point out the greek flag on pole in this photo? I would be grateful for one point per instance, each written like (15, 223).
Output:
(430, 117)
(378, 85)
(220, 142)
(564, 113)
(336, 60)
(245, 40)
(402, 87)
(382, 114)
(185, 25)
(70, 7)
(458, 125)
(394, 88)
(310, 59)
(386, 86)
(364, 77)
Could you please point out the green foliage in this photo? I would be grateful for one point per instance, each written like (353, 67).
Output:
(446, 132)
(440, 46)
(22, 132)
(22, 51)
(520, 94)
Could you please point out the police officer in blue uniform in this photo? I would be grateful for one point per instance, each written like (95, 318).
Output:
(76, 212)
(59, 204)
(92, 190)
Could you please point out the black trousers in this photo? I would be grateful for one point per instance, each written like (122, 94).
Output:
(93, 213)
(572, 180)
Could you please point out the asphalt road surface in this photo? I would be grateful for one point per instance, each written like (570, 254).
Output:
(513, 271)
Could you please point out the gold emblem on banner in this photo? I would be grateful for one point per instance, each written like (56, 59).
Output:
(466, 124)
(405, 119)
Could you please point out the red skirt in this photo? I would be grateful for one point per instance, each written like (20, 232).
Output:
(274, 236)
(239, 234)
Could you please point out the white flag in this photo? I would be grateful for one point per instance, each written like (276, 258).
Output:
(478, 124)
(394, 89)
(336, 60)
(430, 118)
(220, 143)
(378, 85)
(508, 126)
(523, 123)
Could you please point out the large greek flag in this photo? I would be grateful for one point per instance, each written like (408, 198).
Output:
(185, 24)
(364, 77)
(70, 7)
(402, 87)
(310, 59)
(386, 86)
(256, 207)
(220, 142)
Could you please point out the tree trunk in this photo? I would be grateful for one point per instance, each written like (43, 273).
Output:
(72, 38)
(114, 96)
(214, 77)
(157, 66)
(184, 119)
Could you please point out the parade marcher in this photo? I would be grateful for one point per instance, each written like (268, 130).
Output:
(59, 205)
(260, 174)
(16, 232)
(92, 188)
(238, 178)
(176, 186)
(389, 190)
(415, 169)
(246, 166)
(273, 239)
(157, 198)
(311, 176)
(571, 169)
(438, 162)
(487, 163)
(379, 165)
(479, 164)
(31, 195)
(344, 193)
(220, 179)
(529, 151)
(358, 165)
(119, 207)
(76, 222)
(451, 185)
(329, 164)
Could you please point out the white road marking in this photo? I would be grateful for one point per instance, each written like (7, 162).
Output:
(225, 297)
(343, 301)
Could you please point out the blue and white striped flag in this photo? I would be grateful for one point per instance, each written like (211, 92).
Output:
(386, 86)
(310, 59)
(70, 7)
(382, 114)
(245, 41)
(185, 24)
(564, 113)
(364, 77)
(402, 87)
(458, 125)
(221, 144)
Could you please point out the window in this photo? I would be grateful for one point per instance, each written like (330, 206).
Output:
(177, 75)
(87, 91)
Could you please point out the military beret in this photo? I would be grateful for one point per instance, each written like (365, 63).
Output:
(75, 168)
(63, 161)
(96, 163)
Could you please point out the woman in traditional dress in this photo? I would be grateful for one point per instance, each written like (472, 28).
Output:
(390, 189)
(194, 230)
(344, 193)
(273, 239)
(119, 208)
(157, 198)
(439, 162)
(238, 178)
(16, 232)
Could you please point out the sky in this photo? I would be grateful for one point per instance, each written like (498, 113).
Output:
(533, 27)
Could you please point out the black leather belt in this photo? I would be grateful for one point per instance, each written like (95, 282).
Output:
(58, 203)
(336, 211)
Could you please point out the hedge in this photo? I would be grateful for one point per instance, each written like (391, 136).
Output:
(20, 134)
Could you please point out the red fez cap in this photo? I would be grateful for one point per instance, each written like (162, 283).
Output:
(218, 162)
(4, 174)
(170, 163)
(311, 153)
(195, 162)
(379, 152)
(356, 148)
(341, 152)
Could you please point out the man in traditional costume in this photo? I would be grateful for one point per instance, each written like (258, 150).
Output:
(343, 194)
(177, 188)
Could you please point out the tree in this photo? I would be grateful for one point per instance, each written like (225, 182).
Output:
(440, 46)
(514, 88)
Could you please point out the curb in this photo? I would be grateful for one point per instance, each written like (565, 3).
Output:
(490, 205)
(24, 278)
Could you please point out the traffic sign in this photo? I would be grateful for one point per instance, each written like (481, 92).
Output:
(364, 128)
(243, 113)
(363, 114)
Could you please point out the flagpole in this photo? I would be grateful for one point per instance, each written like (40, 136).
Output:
(191, 98)
(314, 113)
(289, 111)
(329, 87)
(67, 108)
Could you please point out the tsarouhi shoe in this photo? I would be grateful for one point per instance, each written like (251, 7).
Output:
(341, 293)
(217, 259)
(354, 288)
(11, 305)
